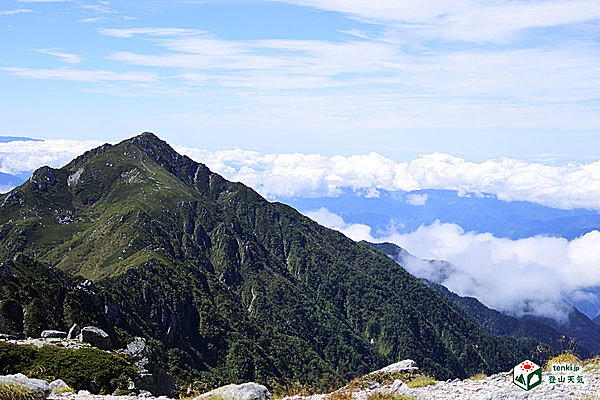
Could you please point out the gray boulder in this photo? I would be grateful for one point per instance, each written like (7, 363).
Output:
(96, 337)
(40, 389)
(245, 391)
(404, 365)
(74, 332)
(59, 386)
(53, 334)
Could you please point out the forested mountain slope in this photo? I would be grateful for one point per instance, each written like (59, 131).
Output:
(226, 286)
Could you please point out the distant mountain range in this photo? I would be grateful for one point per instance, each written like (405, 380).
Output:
(6, 139)
(406, 211)
(225, 286)
(585, 333)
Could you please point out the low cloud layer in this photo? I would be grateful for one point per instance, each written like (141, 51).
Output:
(20, 156)
(313, 175)
(520, 277)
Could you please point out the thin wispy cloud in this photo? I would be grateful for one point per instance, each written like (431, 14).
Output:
(466, 20)
(45, 1)
(432, 87)
(77, 75)
(65, 57)
(15, 12)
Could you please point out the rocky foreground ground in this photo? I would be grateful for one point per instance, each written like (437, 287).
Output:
(495, 387)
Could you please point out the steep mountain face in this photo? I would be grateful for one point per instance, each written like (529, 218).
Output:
(226, 286)
(584, 333)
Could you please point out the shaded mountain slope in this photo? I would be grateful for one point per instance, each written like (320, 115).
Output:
(226, 286)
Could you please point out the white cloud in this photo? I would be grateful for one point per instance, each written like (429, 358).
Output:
(519, 277)
(19, 156)
(468, 20)
(14, 12)
(334, 221)
(65, 57)
(313, 175)
(130, 32)
(417, 199)
(76, 75)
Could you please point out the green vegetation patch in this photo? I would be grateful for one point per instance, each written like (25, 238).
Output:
(566, 357)
(389, 396)
(478, 377)
(411, 378)
(78, 368)
(8, 391)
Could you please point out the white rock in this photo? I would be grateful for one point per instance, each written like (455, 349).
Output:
(404, 365)
(41, 389)
(245, 391)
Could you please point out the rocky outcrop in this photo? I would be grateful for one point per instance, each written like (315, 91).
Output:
(153, 378)
(245, 391)
(39, 388)
(96, 337)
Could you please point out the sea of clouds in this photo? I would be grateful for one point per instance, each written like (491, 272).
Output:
(519, 277)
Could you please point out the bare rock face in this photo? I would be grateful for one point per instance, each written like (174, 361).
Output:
(41, 389)
(153, 378)
(96, 337)
(245, 391)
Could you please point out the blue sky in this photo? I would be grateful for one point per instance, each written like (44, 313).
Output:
(477, 79)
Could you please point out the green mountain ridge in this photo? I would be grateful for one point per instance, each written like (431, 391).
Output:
(226, 286)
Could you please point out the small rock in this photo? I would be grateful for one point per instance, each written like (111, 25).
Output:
(83, 393)
(137, 347)
(399, 387)
(53, 334)
(373, 385)
(59, 385)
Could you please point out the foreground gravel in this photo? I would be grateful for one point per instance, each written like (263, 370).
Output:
(495, 387)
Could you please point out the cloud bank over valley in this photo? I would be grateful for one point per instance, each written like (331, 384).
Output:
(528, 276)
